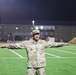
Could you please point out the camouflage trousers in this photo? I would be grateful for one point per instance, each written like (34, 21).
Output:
(35, 71)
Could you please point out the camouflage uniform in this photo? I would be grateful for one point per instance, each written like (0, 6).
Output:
(35, 54)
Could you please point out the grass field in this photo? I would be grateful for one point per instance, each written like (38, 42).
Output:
(60, 61)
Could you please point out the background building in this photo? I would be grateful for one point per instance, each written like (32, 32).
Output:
(19, 32)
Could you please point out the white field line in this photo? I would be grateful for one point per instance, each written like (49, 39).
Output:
(13, 58)
(74, 49)
(70, 47)
(16, 53)
(65, 51)
(53, 55)
(46, 57)
(61, 57)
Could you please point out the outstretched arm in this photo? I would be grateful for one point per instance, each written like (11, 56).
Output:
(20, 45)
(56, 44)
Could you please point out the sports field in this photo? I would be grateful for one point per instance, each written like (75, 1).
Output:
(60, 61)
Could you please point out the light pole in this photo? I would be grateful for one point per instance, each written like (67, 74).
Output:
(33, 22)
(41, 28)
(16, 33)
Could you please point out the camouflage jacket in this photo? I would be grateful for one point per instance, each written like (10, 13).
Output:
(35, 51)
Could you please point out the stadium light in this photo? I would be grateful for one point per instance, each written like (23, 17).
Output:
(16, 28)
(36, 27)
(41, 27)
(33, 22)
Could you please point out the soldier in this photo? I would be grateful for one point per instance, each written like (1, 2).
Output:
(35, 53)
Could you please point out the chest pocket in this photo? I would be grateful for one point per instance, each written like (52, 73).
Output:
(31, 47)
(39, 47)
(35, 47)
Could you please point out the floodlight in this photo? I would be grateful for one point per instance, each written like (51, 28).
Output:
(36, 27)
(17, 28)
(33, 22)
(41, 27)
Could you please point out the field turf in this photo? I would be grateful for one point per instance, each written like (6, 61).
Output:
(60, 61)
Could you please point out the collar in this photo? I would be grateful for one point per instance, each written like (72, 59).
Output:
(35, 42)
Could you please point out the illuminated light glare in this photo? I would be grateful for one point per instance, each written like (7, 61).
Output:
(33, 22)
(41, 27)
(16, 27)
(37, 28)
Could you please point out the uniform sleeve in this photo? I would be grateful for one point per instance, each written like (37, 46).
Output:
(54, 44)
(46, 44)
(20, 45)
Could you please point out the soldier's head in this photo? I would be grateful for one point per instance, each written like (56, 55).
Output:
(36, 34)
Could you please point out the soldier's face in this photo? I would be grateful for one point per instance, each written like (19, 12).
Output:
(36, 37)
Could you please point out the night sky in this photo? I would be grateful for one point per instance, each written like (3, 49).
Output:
(46, 10)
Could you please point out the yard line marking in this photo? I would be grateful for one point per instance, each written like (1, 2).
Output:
(53, 55)
(65, 51)
(68, 57)
(14, 58)
(16, 53)
(72, 48)
(61, 57)
(26, 58)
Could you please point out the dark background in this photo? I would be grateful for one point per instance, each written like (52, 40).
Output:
(20, 11)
